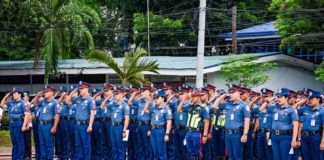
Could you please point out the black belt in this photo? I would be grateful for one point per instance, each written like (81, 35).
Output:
(117, 123)
(180, 127)
(15, 119)
(219, 127)
(310, 133)
(98, 119)
(132, 121)
(281, 132)
(66, 118)
(142, 123)
(234, 131)
(106, 119)
(35, 121)
(84, 122)
(263, 130)
(193, 129)
(45, 122)
(157, 126)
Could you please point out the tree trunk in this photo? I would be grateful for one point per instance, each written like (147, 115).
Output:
(37, 49)
(234, 42)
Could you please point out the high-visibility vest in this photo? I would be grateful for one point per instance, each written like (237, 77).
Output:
(194, 116)
(221, 118)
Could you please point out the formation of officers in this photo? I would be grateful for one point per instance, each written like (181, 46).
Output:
(168, 122)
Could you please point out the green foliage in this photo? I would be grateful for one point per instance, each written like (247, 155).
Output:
(320, 72)
(300, 22)
(131, 71)
(243, 71)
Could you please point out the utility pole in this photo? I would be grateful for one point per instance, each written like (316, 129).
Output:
(234, 40)
(148, 28)
(201, 45)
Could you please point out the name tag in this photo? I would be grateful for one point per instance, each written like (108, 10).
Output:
(276, 116)
(133, 111)
(12, 109)
(157, 118)
(37, 113)
(142, 113)
(313, 122)
(181, 117)
(70, 112)
(105, 111)
(265, 120)
(44, 110)
(232, 116)
(115, 115)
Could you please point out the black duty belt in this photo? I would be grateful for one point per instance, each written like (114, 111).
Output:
(66, 118)
(132, 121)
(98, 119)
(45, 122)
(16, 119)
(263, 130)
(84, 122)
(142, 123)
(193, 129)
(180, 127)
(281, 132)
(117, 123)
(35, 121)
(157, 126)
(218, 127)
(234, 131)
(106, 119)
(310, 133)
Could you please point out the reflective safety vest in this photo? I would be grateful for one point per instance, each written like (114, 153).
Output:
(221, 118)
(194, 116)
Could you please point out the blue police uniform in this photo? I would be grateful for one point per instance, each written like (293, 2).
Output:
(83, 109)
(313, 121)
(160, 116)
(97, 133)
(196, 114)
(62, 133)
(218, 133)
(207, 147)
(46, 116)
(35, 112)
(143, 121)
(180, 132)
(236, 112)
(16, 113)
(170, 144)
(106, 115)
(119, 111)
(248, 147)
(281, 133)
(132, 141)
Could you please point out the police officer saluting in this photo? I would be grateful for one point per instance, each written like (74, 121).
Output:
(160, 125)
(312, 123)
(284, 125)
(85, 109)
(236, 123)
(49, 111)
(18, 116)
(96, 136)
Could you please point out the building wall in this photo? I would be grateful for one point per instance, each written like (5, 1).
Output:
(282, 76)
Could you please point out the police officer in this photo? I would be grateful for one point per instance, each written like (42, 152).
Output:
(96, 136)
(236, 123)
(107, 102)
(160, 125)
(62, 133)
(205, 103)
(198, 119)
(263, 144)
(35, 110)
(180, 124)
(18, 117)
(49, 111)
(312, 121)
(284, 125)
(218, 131)
(119, 126)
(132, 141)
(143, 123)
(84, 116)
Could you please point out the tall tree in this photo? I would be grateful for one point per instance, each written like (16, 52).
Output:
(131, 71)
(60, 25)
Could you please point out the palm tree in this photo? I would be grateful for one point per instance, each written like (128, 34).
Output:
(61, 24)
(131, 71)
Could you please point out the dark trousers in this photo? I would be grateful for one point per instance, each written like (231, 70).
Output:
(27, 140)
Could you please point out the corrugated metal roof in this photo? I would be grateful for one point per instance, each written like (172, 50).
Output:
(166, 62)
(266, 29)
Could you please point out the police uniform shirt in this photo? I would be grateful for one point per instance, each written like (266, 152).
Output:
(133, 111)
(282, 116)
(35, 109)
(49, 109)
(265, 120)
(254, 113)
(312, 119)
(17, 109)
(142, 116)
(182, 117)
(98, 113)
(119, 111)
(235, 114)
(83, 107)
(159, 116)
(64, 107)
(109, 104)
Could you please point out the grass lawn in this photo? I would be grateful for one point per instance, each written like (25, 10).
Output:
(5, 140)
